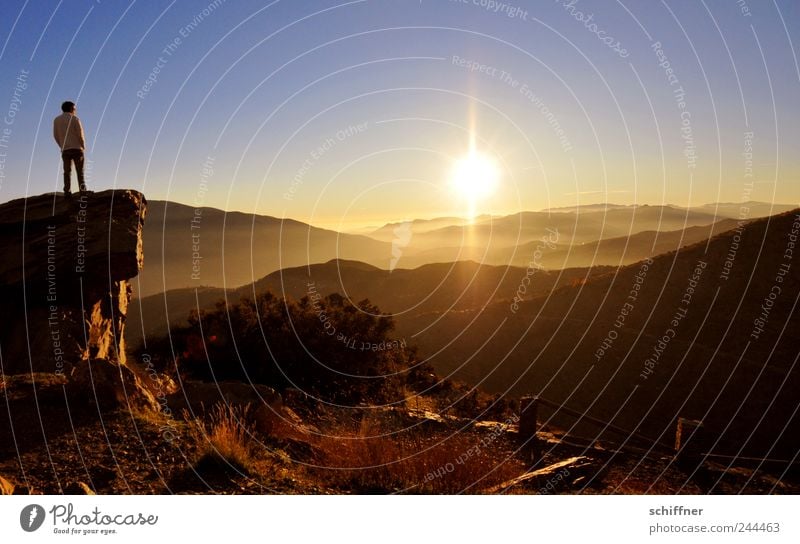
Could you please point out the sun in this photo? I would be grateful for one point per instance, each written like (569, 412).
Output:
(474, 177)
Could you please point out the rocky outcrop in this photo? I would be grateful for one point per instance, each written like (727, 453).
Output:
(64, 284)
(65, 276)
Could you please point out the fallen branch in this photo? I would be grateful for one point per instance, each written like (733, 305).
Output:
(546, 471)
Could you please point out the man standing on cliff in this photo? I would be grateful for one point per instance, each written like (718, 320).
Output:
(68, 132)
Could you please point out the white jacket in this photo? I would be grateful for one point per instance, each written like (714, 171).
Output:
(68, 132)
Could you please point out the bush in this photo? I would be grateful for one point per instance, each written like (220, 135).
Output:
(327, 347)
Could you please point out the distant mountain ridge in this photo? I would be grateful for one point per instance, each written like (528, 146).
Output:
(750, 209)
(496, 239)
(208, 247)
(196, 247)
(607, 252)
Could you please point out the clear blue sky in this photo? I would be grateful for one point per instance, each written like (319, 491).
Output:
(260, 90)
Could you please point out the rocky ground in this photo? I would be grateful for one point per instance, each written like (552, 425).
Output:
(61, 445)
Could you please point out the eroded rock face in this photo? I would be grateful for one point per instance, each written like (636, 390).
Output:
(64, 278)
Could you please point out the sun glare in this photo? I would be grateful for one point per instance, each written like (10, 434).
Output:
(474, 176)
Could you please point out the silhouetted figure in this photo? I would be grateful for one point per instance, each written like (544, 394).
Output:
(68, 132)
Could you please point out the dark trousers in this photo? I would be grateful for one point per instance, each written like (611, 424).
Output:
(70, 156)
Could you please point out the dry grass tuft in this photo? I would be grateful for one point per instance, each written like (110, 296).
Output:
(415, 461)
(225, 438)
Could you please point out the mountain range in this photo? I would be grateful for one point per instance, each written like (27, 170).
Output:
(207, 247)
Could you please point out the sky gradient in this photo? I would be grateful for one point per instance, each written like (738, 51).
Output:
(351, 113)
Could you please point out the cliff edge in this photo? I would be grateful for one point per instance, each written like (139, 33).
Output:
(65, 284)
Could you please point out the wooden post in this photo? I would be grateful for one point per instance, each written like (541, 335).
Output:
(529, 426)
(690, 442)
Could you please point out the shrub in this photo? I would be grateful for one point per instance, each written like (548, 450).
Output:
(325, 346)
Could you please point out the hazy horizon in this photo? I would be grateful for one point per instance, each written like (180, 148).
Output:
(362, 226)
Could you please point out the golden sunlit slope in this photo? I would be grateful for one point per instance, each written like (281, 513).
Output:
(707, 332)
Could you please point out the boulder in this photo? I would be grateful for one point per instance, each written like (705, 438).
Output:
(109, 385)
(64, 277)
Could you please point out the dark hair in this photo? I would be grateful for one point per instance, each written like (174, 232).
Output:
(67, 106)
